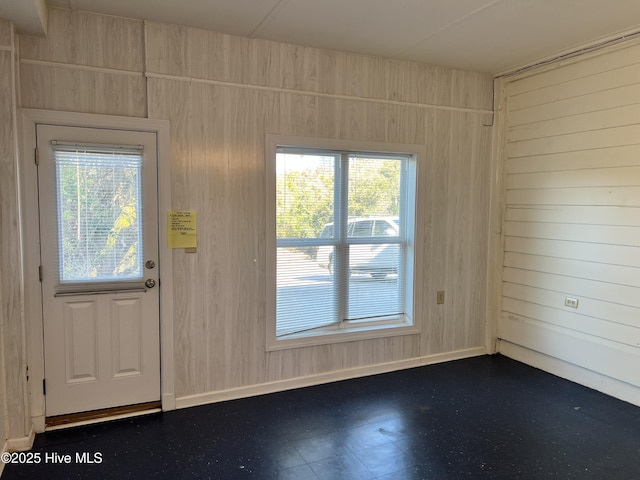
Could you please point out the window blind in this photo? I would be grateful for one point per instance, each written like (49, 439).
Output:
(340, 238)
(99, 205)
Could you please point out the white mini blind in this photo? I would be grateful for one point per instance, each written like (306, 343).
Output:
(340, 239)
(99, 205)
(305, 199)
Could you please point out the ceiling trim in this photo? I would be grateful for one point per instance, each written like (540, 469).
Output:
(591, 47)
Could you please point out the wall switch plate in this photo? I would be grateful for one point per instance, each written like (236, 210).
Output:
(440, 297)
(571, 302)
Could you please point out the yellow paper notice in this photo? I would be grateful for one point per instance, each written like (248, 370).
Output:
(182, 229)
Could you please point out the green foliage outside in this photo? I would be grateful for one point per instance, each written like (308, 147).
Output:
(374, 188)
(304, 202)
(98, 221)
(305, 198)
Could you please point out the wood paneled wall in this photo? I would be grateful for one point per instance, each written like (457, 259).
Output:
(572, 216)
(88, 63)
(6, 157)
(12, 368)
(222, 94)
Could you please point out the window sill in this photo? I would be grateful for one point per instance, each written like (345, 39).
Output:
(334, 335)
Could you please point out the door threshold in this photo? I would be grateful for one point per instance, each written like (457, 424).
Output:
(103, 415)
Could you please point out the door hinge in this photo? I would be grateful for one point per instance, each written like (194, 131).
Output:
(40, 273)
(36, 156)
(44, 386)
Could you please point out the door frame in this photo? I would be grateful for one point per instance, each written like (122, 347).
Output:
(28, 120)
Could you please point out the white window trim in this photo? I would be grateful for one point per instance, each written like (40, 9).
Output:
(353, 330)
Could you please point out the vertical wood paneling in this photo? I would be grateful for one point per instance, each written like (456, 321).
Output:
(244, 137)
(5, 139)
(7, 204)
(12, 376)
(199, 173)
(67, 89)
(434, 201)
(456, 209)
(224, 331)
(88, 63)
(571, 215)
(222, 94)
(193, 53)
(5, 33)
(78, 38)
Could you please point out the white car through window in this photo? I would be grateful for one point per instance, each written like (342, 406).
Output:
(375, 259)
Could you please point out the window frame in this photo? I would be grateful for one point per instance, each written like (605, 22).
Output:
(356, 329)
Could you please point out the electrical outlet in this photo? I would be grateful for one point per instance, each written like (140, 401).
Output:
(440, 297)
(571, 302)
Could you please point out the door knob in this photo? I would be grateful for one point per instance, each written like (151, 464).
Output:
(150, 283)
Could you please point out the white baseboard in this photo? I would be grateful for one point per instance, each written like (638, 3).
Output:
(39, 422)
(5, 448)
(299, 382)
(168, 402)
(21, 444)
(569, 371)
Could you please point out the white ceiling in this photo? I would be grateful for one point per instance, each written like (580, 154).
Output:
(492, 36)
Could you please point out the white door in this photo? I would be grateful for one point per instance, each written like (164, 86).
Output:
(99, 257)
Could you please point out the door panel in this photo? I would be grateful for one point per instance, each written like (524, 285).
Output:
(126, 331)
(80, 335)
(99, 227)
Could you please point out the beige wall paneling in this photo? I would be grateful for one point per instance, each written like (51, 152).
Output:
(199, 181)
(456, 209)
(221, 104)
(12, 328)
(6, 156)
(219, 171)
(469, 179)
(87, 39)
(434, 207)
(88, 63)
(5, 138)
(572, 225)
(6, 34)
(74, 90)
(199, 54)
(222, 94)
(496, 218)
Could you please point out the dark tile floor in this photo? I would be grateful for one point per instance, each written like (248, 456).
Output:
(485, 417)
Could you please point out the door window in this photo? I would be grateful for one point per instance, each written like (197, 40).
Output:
(99, 213)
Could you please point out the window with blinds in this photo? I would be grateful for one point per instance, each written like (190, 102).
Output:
(344, 230)
(99, 204)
